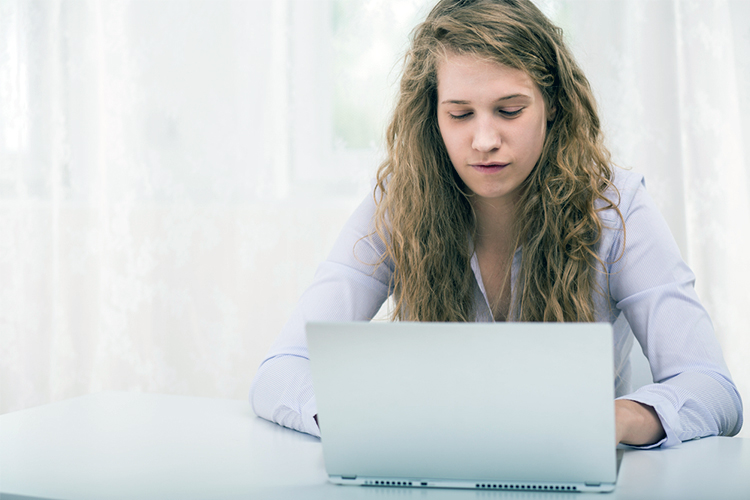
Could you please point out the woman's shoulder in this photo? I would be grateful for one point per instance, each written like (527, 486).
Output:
(625, 188)
(628, 183)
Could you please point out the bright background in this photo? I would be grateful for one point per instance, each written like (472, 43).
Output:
(171, 172)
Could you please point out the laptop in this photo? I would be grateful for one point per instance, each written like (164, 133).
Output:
(489, 406)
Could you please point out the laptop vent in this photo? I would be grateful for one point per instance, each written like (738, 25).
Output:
(525, 487)
(391, 483)
(485, 486)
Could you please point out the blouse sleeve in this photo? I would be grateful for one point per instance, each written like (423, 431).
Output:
(350, 285)
(693, 394)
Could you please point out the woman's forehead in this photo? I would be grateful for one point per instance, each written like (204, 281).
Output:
(470, 75)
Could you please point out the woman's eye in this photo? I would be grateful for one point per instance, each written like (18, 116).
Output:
(511, 112)
(460, 116)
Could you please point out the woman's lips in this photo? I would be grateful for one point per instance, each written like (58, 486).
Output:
(489, 167)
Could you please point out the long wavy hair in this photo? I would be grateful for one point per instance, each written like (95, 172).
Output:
(424, 214)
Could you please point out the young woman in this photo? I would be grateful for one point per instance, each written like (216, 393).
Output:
(497, 202)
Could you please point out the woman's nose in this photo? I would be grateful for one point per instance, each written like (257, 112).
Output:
(486, 136)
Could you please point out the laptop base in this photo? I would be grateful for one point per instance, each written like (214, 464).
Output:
(474, 485)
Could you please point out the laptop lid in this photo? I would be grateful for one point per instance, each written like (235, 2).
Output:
(480, 405)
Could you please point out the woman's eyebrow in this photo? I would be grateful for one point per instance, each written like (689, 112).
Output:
(505, 98)
(514, 96)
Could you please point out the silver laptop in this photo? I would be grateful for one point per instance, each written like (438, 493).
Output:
(512, 406)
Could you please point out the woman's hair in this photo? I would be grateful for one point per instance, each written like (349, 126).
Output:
(423, 211)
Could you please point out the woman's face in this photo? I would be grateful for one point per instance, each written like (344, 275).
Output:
(493, 121)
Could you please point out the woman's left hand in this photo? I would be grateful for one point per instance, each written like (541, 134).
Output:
(636, 424)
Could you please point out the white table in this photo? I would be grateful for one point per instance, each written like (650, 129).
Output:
(144, 446)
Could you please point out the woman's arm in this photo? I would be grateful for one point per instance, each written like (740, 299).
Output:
(348, 286)
(694, 395)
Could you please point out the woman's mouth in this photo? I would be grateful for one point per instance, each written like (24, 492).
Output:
(490, 167)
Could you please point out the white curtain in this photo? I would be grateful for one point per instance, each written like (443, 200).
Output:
(671, 79)
(172, 172)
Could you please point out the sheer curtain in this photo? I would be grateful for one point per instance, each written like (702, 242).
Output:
(671, 81)
(172, 172)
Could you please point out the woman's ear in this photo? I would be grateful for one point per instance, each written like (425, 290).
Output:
(551, 112)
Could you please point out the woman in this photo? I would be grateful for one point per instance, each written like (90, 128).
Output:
(497, 201)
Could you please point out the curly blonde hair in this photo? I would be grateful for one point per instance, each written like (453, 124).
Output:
(424, 214)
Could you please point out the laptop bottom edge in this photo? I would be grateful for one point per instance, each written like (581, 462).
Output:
(537, 486)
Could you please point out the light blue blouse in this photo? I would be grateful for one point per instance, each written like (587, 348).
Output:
(649, 296)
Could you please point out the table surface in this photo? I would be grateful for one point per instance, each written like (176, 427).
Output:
(129, 445)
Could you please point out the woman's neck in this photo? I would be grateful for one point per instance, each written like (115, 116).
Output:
(495, 224)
